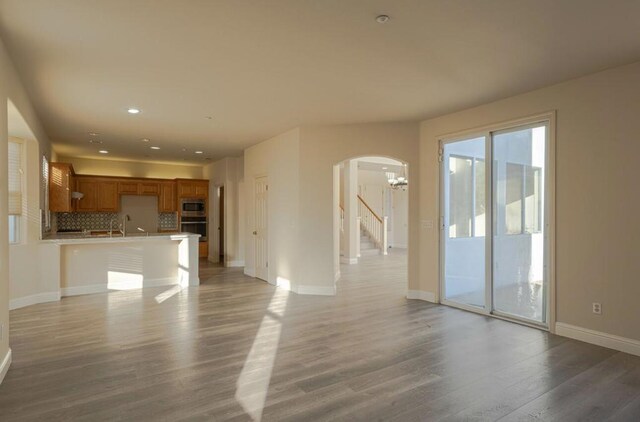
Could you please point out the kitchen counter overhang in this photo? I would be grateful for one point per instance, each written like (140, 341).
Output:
(80, 264)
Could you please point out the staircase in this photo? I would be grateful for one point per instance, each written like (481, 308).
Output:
(367, 246)
(373, 230)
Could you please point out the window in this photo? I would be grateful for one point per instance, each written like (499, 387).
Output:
(523, 211)
(45, 188)
(467, 190)
(15, 190)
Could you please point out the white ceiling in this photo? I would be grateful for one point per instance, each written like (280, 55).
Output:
(380, 164)
(259, 68)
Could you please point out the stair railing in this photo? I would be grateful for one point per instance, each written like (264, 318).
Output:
(373, 225)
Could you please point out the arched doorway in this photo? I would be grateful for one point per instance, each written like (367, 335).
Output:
(371, 222)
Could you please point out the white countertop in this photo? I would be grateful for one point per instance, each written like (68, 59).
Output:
(80, 238)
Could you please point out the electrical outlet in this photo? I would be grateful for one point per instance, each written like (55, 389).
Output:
(597, 308)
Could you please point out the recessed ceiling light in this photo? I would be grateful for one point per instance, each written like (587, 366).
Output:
(144, 140)
(198, 152)
(154, 147)
(103, 151)
(382, 18)
(93, 133)
(94, 141)
(133, 110)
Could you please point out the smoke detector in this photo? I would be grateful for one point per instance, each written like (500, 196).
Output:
(382, 18)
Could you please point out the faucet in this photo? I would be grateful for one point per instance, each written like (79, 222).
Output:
(123, 230)
(111, 225)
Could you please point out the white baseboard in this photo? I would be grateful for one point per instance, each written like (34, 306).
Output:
(350, 261)
(234, 264)
(4, 366)
(422, 295)
(159, 282)
(21, 302)
(316, 290)
(599, 338)
(83, 290)
(251, 272)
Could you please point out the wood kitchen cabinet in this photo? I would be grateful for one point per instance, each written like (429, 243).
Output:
(138, 187)
(61, 186)
(149, 188)
(203, 249)
(193, 188)
(89, 189)
(102, 193)
(108, 199)
(128, 187)
(99, 195)
(167, 201)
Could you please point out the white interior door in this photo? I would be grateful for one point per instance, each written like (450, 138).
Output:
(261, 228)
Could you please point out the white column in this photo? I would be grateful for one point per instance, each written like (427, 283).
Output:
(351, 229)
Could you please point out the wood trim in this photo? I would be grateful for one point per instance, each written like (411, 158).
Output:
(369, 208)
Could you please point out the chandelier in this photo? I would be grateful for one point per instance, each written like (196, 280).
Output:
(400, 181)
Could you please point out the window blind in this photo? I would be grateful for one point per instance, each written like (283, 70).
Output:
(45, 188)
(15, 178)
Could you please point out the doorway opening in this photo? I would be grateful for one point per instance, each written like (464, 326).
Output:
(260, 234)
(371, 221)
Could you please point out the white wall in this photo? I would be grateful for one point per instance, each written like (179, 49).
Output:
(300, 166)
(596, 252)
(277, 158)
(11, 89)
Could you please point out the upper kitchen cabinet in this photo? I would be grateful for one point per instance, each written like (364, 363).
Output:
(149, 188)
(167, 201)
(61, 187)
(193, 188)
(139, 187)
(108, 199)
(89, 190)
(99, 195)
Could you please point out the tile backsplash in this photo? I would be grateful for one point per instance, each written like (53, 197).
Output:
(102, 220)
(87, 220)
(167, 220)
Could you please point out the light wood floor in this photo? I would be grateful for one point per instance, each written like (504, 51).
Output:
(235, 348)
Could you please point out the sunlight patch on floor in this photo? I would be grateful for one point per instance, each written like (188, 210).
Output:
(168, 293)
(253, 382)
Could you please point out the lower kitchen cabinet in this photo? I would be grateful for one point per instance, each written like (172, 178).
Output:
(203, 249)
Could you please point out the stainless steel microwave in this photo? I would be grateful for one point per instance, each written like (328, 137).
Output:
(193, 207)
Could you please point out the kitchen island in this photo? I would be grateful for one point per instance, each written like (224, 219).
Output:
(83, 264)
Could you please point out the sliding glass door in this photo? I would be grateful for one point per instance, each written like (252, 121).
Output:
(519, 282)
(494, 240)
(465, 221)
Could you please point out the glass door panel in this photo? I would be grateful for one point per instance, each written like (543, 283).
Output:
(519, 282)
(464, 212)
